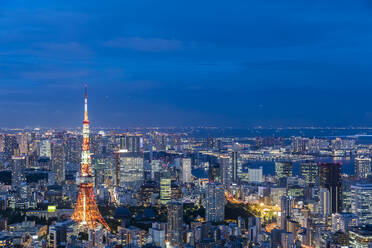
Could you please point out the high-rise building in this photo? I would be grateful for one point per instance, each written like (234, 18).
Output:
(18, 169)
(283, 169)
(186, 170)
(57, 235)
(362, 167)
(175, 222)
(325, 202)
(130, 169)
(10, 146)
(235, 166)
(362, 202)
(157, 232)
(286, 205)
(310, 171)
(59, 162)
(255, 175)
(22, 141)
(330, 178)
(361, 237)
(344, 221)
(165, 190)
(215, 202)
(131, 142)
(225, 169)
(287, 239)
(45, 148)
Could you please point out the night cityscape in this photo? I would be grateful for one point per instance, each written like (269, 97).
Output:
(165, 124)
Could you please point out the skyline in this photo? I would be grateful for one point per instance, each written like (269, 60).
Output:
(196, 64)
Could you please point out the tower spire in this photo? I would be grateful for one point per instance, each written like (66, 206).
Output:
(86, 104)
(86, 211)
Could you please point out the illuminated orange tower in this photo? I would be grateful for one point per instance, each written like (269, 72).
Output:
(86, 212)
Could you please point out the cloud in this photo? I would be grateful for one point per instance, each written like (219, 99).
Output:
(145, 44)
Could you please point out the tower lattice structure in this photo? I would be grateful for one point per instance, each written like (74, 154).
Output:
(86, 211)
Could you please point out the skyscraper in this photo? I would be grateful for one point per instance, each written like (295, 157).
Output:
(286, 205)
(131, 142)
(255, 175)
(235, 169)
(165, 189)
(362, 202)
(130, 170)
(45, 149)
(225, 169)
(330, 178)
(23, 143)
(283, 169)
(59, 161)
(86, 211)
(362, 167)
(186, 170)
(325, 202)
(215, 202)
(18, 168)
(310, 171)
(175, 221)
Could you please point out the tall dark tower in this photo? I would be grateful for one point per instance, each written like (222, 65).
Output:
(86, 211)
(330, 178)
(234, 160)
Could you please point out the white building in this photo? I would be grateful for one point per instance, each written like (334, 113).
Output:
(215, 202)
(130, 169)
(45, 149)
(362, 202)
(255, 175)
(186, 170)
(362, 167)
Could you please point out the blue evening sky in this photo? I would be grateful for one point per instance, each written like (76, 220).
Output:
(186, 63)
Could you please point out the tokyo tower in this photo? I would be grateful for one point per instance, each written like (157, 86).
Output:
(86, 212)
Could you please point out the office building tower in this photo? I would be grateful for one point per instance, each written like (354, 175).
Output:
(155, 170)
(360, 237)
(45, 149)
(175, 222)
(59, 162)
(287, 240)
(325, 202)
(165, 190)
(186, 170)
(286, 205)
(344, 222)
(214, 172)
(10, 146)
(131, 142)
(225, 169)
(151, 148)
(18, 165)
(255, 175)
(362, 167)
(57, 235)
(283, 169)
(22, 140)
(235, 166)
(330, 178)
(310, 172)
(157, 232)
(130, 169)
(215, 202)
(362, 202)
